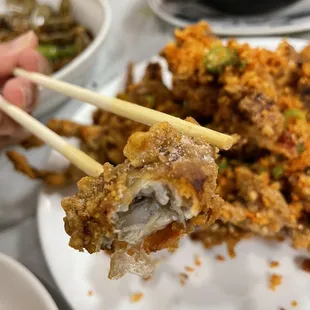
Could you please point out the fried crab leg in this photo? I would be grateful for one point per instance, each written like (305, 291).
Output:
(164, 188)
(49, 177)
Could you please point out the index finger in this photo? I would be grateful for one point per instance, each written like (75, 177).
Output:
(10, 52)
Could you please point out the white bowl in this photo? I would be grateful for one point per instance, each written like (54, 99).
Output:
(96, 16)
(20, 289)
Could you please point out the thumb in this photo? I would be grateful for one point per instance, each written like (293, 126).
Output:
(10, 51)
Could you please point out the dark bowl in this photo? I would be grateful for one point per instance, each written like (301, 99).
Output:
(247, 7)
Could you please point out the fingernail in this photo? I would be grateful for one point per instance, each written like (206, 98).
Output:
(44, 67)
(22, 41)
(27, 96)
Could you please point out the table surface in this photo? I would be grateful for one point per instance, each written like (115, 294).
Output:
(134, 25)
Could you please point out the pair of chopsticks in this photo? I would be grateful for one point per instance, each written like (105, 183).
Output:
(119, 107)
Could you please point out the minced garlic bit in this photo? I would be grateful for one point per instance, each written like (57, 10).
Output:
(90, 293)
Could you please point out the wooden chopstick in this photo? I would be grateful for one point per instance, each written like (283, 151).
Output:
(126, 109)
(74, 155)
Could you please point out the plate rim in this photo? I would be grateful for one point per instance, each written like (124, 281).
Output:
(238, 31)
(30, 278)
(296, 42)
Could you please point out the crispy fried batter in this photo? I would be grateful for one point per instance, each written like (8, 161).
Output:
(149, 202)
(256, 207)
(49, 177)
(31, 142)
(301, 235)
(261, 95)
(250, 94)
(219, 233)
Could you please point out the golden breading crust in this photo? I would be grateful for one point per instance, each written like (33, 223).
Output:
(49, 177)
(253, 95)
(257, 207)
(168, 177)
(263, 96)
(219, 233)
(301, 236)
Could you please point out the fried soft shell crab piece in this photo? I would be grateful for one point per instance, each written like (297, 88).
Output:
(165, 187)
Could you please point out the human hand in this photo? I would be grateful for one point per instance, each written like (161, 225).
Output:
(20, 52)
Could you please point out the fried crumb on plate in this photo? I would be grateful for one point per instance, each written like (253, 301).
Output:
(189, 269)
(183, 275)
(197, 261)
(182, 281)
(136, 297)
(275, 280)
(183, 278)
(281, 238)
(274, 264)
(220, 258)
(90, 293)
(147, 279)
(294, 303)
(305, 264)
(231, 246)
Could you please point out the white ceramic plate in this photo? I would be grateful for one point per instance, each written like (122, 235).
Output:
(291, 19)
(239, 284)
(20, 289)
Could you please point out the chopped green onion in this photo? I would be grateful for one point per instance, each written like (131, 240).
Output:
(185, 104)
(277, 172)
(294, 113)
(223, 165)
(218, 57)
(151, 100)
(300, 147)
(242, 64)
(260, 168)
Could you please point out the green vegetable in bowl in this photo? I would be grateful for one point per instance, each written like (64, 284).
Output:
(52, 52)
(218, 57)
(65, 8)
(61, 36)
(23, 7)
